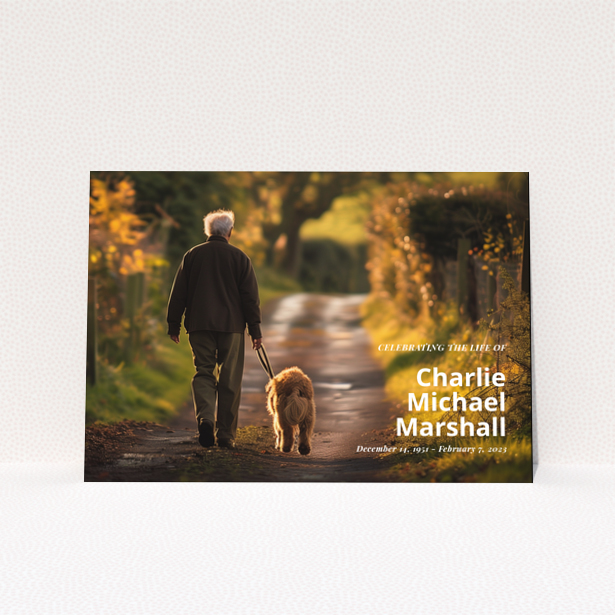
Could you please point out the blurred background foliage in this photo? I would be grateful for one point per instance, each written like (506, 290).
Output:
(393, 236)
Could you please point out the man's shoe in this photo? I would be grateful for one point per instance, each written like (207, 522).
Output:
(227, 443)
(206, 434)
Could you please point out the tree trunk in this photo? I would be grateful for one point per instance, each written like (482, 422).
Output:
(292, 260)
(92, 335)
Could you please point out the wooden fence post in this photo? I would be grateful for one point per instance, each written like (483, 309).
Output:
(463, 247)
(525, 271)
(92, 335)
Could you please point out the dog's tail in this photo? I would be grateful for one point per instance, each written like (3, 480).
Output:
(296, 408)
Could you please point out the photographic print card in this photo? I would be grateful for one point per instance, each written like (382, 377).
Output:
(309, 326)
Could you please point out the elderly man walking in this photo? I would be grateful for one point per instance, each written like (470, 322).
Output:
(216, 287)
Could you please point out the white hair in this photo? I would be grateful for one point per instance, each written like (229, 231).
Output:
(219, 222)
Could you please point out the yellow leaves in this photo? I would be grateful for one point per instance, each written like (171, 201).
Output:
(310, 193)
(132, 263)
(99, 202)
(498, 248)
(115, 231)
(126, 191)
(158, 262)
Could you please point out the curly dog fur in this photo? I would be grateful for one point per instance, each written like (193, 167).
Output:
(290, 400)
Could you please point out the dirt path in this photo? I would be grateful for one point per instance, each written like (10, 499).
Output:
(322, 335)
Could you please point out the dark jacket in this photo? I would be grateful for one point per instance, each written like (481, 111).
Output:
(216, 286)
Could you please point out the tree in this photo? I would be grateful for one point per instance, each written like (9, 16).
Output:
(287, 199)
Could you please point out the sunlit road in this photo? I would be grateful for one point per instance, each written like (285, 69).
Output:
(323, 336)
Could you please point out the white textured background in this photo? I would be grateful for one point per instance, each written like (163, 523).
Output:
(339, 85)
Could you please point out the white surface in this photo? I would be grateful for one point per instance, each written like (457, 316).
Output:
(305, 85)
(69, 547)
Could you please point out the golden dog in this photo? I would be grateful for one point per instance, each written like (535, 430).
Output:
(290, 400)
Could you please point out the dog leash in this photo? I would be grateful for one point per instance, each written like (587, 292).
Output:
(264, 361)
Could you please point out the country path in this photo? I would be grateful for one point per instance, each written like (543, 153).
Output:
(322, 335)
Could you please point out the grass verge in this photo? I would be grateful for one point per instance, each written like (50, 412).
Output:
(272, 284)
(146, 391)
(153, 389)
(506, 459)
(482, 460)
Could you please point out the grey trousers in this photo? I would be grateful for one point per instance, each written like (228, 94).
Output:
(218, 359)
